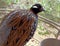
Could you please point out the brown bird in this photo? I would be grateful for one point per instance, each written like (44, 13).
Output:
(19, 26)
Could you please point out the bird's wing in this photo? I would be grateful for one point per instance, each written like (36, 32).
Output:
(4, 29)
(20, 28)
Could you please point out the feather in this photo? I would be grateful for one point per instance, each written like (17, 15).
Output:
(17, 25)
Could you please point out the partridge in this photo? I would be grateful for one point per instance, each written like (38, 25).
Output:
(19, 26)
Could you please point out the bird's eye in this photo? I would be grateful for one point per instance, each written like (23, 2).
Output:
(35, 7)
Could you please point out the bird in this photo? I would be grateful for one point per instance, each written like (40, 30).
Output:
(19, 26)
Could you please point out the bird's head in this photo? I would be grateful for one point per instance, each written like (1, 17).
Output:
(36, 8)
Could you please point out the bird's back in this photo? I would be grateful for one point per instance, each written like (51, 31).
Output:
(17, 27)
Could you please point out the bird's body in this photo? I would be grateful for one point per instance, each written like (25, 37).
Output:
(15, 27)
(18, 27)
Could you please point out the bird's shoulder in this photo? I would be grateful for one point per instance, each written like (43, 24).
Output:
(20, 13)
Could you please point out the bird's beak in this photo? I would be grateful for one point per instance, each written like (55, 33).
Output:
(42, 9)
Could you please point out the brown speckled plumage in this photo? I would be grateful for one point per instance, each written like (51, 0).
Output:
(18, 27)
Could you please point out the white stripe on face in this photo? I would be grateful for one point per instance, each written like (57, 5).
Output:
(35, 7)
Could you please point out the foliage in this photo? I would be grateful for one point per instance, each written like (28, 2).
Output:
(52, 9)
(44, 33)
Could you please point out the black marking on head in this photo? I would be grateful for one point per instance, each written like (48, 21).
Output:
(36, 8)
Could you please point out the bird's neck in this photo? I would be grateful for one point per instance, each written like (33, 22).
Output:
(33, 11)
